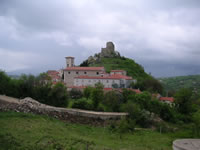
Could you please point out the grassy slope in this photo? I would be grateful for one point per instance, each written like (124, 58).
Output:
(26, 131)
(175, 83)
(133, 69)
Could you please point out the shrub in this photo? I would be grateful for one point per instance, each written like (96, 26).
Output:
(75, 94)
(112, 101)
(83, 103)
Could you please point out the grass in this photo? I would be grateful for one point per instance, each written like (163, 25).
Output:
(133, 69)
(32, 132)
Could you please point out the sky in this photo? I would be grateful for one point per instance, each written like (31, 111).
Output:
(161, 35)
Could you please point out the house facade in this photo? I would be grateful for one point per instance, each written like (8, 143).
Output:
(109, 81)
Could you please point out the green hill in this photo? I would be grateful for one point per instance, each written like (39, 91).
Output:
(176, 83)
(133, 69)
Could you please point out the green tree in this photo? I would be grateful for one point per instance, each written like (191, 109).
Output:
(75, 93)
(196, 120)
(58, 96)
(183, 101)
(97, 95)
(112, 101)
(127, 94)
(87, 92)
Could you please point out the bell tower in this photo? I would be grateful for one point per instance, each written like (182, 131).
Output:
(69, 62)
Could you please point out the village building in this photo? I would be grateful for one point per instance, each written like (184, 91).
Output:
(89, 76)
(54, 75)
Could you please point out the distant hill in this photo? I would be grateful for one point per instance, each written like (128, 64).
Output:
(176, 83)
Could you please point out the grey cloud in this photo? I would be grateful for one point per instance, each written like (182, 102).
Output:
(164, 34)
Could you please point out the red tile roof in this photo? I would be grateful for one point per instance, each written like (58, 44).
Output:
(117, 71)
(84, 68)
(52, 72)
(171, 99)
(115, 76)
(136, 91)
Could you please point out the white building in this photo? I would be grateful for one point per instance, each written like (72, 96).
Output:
(89, 76)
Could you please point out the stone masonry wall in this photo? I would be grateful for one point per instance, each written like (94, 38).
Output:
(28, 105)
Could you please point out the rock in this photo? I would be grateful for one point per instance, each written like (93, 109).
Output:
(109, 51)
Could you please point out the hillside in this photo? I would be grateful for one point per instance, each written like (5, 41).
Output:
(29, 132)
(175, 83)
(112, 60)
(133, 69)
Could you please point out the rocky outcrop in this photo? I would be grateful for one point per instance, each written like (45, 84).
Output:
(29, 105)
(107, 52)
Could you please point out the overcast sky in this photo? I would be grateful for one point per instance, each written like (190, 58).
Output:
(161, 35)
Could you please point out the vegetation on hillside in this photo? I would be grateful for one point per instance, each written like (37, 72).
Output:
(133, 69)
(176, 83)
(39, 88)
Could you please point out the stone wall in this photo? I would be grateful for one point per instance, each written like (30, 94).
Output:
(28, 105)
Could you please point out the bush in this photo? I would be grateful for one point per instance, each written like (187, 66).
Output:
(58, 96)
(112, 101)
(141, 117)
(87, 92)
(75, 94)
(83, 103)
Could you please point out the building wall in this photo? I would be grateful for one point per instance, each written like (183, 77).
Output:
(121, 73)
(91, 82)
(69, 77)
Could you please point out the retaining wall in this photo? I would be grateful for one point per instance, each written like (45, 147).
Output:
(29, 105)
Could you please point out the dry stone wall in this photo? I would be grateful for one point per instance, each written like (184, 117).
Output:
(29, 105)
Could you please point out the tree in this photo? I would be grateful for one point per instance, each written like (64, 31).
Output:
(87, 92)
(150, 84)
(112, 101)
(127, 94)
(58, 96)
(183, 101)
(196, 120)
(75, 93)
(97, 94)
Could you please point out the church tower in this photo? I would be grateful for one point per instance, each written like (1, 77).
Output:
(69, 62)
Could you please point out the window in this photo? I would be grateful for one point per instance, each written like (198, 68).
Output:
(67, 65)
(97, 73)
(69, 72)
(85, 72)
(76, 72)
(89, 81)
(107, 81)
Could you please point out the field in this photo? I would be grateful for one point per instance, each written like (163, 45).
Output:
(30, 132)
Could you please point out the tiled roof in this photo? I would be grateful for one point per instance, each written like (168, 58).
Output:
(84, 68)
(115, 76)
(171, 99)
(117, 70)
(52, 72)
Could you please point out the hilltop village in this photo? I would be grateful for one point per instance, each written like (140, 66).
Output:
(76, 77)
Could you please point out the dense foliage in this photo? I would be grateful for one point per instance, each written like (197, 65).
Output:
(39, 88)
(179, 82)
(143, 109)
